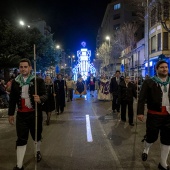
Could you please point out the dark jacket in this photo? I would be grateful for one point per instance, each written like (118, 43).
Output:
(2, 89)
(49, 104)
(114, 86)
(59, 88)
(89, 80)
(126, 93)
(152, 94)
(15, 95)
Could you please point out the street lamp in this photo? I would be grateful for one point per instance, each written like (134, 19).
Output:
(108, 38)
(21, 23)
(57, 46)
(148, 27)
(71, 58)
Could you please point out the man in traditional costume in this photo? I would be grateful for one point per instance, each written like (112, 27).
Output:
(156, 92)
(23, 95)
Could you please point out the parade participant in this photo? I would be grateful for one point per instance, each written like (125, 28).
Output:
(91, 83)
(23, 95)
(60, 88)
(114, 91)
(156, 92)
(103, 92)
(70, 87)
(49, 104)
(126, 92)
(80, 86)
(4, 94)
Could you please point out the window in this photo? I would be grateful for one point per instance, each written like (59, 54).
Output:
(117, 6)
(159, 41)
(116, 16)
(153, 44)
(116, 27)
(165, 41)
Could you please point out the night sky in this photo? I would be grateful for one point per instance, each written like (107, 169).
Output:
(71, 21)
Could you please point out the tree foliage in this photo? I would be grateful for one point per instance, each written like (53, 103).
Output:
(125, 36)
(18, 42)
(104, 54)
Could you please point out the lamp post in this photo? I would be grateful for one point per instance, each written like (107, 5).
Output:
(108, 38)
(59, 55)
(22, 23)
(65, 69)
(71, 60)
(148, 26)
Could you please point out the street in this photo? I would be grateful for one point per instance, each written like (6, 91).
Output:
(85, 137)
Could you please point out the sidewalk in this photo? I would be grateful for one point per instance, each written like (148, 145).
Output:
(3, 112)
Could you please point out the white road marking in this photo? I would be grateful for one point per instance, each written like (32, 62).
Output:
(88, 129)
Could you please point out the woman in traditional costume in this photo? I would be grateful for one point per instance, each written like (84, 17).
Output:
(103, 92)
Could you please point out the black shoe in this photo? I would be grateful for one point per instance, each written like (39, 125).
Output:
(131, 124)
(160, 167)
(123, 120)
(39, 157)
(16, 168)
(144, 156)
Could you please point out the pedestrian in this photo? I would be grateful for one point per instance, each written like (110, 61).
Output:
(126, 94)
(114, 91)
(4, 95)
(91, 83)
(156, 92)
(70, 87)
(23, 96)
(80, 86)
(60, 88)
(49, 104)
(103, 92)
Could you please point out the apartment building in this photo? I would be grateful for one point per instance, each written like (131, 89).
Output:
(41, 26)
(117, 13)
(158, 24)
(156, 44)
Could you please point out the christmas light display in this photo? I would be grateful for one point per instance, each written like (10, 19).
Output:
(83, 67)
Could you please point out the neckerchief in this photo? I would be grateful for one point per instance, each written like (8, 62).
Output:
(158, 80)
(21, 81)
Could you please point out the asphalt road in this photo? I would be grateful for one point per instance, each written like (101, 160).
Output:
(85, 137)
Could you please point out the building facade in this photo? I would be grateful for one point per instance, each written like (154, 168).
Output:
(117, 13)
(41, 26)
(155, 46)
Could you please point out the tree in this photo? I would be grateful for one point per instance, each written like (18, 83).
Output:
(125, 36)
(17, 42)
(104, 54)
